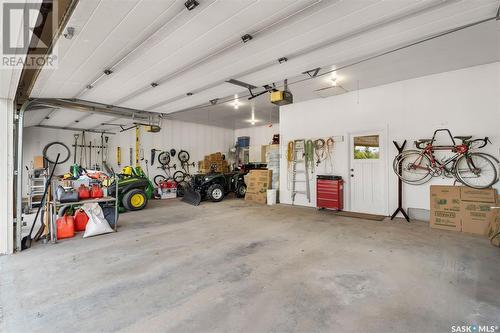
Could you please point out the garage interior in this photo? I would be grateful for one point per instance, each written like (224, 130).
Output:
(250, 166)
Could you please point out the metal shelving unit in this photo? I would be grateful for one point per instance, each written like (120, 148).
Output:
(55, 206)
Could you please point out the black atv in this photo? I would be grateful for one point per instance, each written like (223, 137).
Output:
(214, 186)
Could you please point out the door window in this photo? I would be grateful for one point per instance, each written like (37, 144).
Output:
(366, 147)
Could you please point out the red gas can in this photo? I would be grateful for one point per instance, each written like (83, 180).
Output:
(96, 192)
(83, 192)
(81, 220)
(65, 227)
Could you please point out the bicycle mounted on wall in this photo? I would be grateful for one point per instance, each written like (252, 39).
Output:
(473, 169)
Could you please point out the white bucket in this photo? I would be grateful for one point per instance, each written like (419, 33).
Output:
(271, 197)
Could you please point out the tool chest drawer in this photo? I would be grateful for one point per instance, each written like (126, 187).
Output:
(329, 192)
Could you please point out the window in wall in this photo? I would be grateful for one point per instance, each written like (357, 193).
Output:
(366, 147)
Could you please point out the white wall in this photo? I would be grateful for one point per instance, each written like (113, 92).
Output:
(198, 140)
(466, 101)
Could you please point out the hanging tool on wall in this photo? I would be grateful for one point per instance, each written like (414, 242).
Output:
(137, 144)
(131, 152)
(119, 156)
(309, 155)
(76, 146)
(83, 150)
(89, 166)
(319, 151)
(153, 154)
(330, 145)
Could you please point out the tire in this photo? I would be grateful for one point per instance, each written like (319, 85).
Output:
(164, 158)
(215, 192)
(183, 156)
(179, 176)
(410, 174)
(52, 159)
(158, 179)
(241, 190)
(476, 170)
(135, 199)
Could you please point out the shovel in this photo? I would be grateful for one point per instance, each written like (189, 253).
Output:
(26, 241)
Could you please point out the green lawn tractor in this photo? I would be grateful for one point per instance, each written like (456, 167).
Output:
(134, 188)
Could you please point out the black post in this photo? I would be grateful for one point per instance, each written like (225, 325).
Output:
(400, 186)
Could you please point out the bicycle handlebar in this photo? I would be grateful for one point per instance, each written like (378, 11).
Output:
(484, 141)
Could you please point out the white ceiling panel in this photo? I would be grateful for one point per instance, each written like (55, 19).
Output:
(376, 41)
(197, 51)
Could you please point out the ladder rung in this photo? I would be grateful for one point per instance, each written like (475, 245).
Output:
(299, 192)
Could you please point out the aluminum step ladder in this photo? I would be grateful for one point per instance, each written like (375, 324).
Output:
(36, 187)
(300, 166)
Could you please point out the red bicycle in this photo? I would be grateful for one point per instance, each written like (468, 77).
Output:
(476, 170)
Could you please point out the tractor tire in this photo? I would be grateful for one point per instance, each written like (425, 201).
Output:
(135, 199)
(241, 190)
(215, 193)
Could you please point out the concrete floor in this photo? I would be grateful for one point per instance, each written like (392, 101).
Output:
(234, 267)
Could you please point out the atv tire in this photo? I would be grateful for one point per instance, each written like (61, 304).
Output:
(135, 199)
(241, 190)
(215, 193)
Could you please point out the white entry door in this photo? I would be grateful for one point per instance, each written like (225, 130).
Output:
(368, 190)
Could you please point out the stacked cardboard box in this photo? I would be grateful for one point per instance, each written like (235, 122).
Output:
(214, 160)
(460, 208)
(475, 209)
(258, 182)
(494, 226)
(445, 208)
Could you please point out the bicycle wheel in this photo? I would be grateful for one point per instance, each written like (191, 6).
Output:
(183, 156)
(415, 167)
(164, 158)
(179, 176)
(158, 179)
(476, 170)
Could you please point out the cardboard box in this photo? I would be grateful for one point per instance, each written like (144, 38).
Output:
(445, 208)
(479, 195)
(493, 231)
(475, 217)
(38, 162)
(260, 198)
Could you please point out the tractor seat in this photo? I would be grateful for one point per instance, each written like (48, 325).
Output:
(463, 138)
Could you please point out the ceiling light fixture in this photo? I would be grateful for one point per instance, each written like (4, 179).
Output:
(236, 104)
(191, 4)
(246, 38)
(282, 60)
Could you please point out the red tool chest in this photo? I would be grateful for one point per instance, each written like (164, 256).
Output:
(329, 192)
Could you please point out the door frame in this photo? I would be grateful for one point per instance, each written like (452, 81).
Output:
(385, 160)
